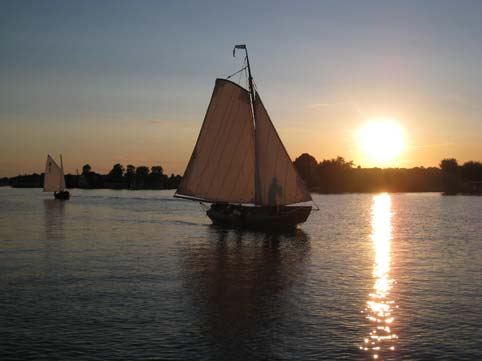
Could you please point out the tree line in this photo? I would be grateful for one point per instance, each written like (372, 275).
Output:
(119, 177)
(466, 178)
(340, 176)
(327, 176)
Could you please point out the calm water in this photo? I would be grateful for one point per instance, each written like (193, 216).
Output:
(139, 275)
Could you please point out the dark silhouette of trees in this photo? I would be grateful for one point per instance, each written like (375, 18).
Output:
(450, 169)
(140, 178)
(471, 174)
(157, 169)
(471, 171)
(333, 175)
(306, 164)
(72, 181)
(90, 179)
(461, 179)
(115, 178)
(130, 175)
(86, 169)
(27, 181)
(173, 181)
(339, 176)
(142, 171)
(328, 176)
(117, 171)
(118, 177)
(449, 165)
(130, 169)
(156, 179)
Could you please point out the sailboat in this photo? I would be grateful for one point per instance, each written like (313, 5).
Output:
(54, 179)
(240, 165)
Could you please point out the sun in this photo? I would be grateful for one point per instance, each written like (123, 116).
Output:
(381, 141)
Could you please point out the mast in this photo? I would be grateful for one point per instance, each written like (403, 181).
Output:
(61, 174)
(250, 81)
(250, 76)
(252, 96)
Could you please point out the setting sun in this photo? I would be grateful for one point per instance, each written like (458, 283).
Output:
(381, 141)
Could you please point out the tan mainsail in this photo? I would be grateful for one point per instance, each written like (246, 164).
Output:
(277, 181)
(54, 180)
(221, 168)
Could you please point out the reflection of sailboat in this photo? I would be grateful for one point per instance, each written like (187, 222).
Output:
(380, 307)
(241, 289)
(54, 219)
(240, 165)
(54, 179)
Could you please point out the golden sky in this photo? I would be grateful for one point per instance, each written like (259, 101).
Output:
(110, 82)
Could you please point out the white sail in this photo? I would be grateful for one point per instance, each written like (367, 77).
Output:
(54, 180)
(277, 181)
(221, 168)
(62, 177)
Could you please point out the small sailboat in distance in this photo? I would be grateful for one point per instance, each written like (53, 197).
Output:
(54, 179)
(240, 165)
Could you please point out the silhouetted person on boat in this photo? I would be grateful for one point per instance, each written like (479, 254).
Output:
(275, 190)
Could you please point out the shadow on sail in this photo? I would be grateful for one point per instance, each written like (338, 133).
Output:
(240, 286)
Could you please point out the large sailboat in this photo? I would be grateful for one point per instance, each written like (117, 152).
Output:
(240, 165)
(54, 179)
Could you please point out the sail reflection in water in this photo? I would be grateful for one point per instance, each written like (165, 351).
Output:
(380, 307)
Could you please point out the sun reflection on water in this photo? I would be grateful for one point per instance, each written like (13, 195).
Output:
(379, 307)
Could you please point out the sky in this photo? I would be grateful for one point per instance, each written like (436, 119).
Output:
(106, 82)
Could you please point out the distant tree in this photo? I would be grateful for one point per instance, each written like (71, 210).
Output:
(90, 179)
(157, 169)
(334, 175)
(449, 165)
(130, 169)
(86, 169)
(140, 179)
(130, 176)
(156, 179)
(27, 181)
(340, 162)
(142, 171)
(117, 171)
(471, 171)
(306, 164)
(71, 181)
(450, 179)
(173, 181)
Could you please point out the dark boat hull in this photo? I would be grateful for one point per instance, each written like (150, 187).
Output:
(282, 217)
(62, 195)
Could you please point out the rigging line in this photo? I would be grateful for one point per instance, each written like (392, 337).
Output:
(240, 75)
(239, 71)
(245, 64)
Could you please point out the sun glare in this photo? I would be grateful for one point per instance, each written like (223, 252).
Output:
(381, 141)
